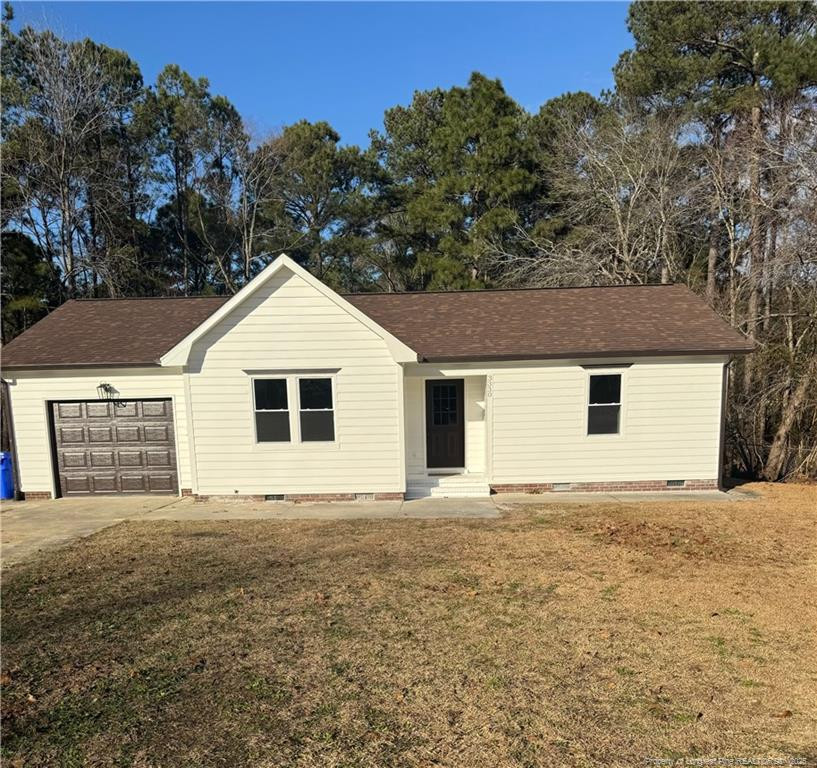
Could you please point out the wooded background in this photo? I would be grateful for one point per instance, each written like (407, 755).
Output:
(700, 168)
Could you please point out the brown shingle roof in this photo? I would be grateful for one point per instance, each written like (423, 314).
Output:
(440, 327)
(108, 332)
(552, 323)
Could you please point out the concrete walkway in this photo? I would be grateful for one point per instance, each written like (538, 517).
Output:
(187, 509)
(31, 526)
(27, 527)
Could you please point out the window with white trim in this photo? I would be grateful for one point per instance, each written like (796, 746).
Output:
(316, 410)
(271, 405)
(604, 404)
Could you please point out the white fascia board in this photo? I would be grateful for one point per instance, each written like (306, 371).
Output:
(178, 354)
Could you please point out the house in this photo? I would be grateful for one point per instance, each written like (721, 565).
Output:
(288, 390)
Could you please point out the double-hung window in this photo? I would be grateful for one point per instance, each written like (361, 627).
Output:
(271, 404)
(604, 404)
(317, 414)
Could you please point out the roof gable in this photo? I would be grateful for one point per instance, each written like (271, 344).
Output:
(180, 352)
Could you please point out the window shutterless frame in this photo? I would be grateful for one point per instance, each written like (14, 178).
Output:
(605, 405)
(316, 409)
(271, 409)
(296, 438)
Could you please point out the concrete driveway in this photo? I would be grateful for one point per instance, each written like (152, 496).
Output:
(28, 527)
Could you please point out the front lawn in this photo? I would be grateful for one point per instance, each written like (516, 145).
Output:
(563, 636)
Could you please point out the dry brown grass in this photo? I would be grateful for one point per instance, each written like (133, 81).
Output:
(564, 636)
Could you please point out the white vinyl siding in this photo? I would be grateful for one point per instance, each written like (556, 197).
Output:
(415, 415)
(288, 328)
(475, 423)
(31, 391)
(669, 424)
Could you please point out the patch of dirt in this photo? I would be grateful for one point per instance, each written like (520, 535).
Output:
(571, 636)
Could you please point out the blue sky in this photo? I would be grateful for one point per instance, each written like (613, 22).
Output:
(348, 62)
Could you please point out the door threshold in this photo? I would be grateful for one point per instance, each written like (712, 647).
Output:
(445, 471)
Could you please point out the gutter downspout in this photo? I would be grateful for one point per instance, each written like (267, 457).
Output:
(722, 446)
(15, 466)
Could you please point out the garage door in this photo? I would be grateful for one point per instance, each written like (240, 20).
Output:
(115, 447)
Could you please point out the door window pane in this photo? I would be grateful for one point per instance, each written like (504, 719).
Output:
(444, 404)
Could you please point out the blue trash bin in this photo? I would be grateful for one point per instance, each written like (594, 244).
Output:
(6, 476)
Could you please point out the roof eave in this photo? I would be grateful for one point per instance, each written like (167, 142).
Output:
(584, 355)
(84, 366)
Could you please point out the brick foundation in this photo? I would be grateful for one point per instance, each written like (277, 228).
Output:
(607, 487)
(398, 496)
(298, 498)
(187, 491)
(35, 495)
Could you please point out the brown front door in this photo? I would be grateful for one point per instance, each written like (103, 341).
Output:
(445, 423)
(115, 447)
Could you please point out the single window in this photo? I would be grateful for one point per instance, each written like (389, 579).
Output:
(604, 409)
(316, 411)
(271, 411)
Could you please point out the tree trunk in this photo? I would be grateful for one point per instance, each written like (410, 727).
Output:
(776, 461)
(714, 234)
(712, 262)
(181, 220)
(755, 235)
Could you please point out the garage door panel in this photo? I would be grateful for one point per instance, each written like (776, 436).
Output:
(71, 435)
(100, 435)
(104, 484)
(158, 458)
(74, 459)
(76, 483)
(152, 409)
(70, 410)
(125, 410)
(129, 458)
(157, 433)
(102, 459)
(161, 483)
(98, 410)
(134, 484)
(115, 447)
(129, 434)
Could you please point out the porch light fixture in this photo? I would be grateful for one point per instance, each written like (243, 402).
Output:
(105, 391)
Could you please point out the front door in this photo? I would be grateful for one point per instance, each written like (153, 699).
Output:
(445, 423)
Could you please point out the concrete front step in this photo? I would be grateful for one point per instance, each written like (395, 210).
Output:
(437, 493)
(447, 486)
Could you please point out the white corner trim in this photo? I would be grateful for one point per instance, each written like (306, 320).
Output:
(178, 354)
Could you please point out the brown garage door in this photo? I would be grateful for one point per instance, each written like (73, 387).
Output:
(115, 447)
